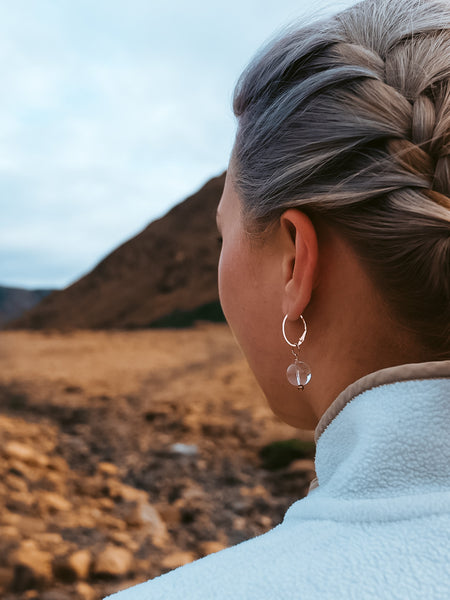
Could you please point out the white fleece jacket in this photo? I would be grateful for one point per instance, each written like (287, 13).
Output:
(375, 523)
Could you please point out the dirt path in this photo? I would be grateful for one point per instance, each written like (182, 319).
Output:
(126, 454)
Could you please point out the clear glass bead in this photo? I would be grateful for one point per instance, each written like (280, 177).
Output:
(298, 373)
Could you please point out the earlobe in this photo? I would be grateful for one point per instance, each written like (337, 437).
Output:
(300, 261)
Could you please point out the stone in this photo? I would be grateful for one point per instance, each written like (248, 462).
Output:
(25, 453)
(107, 468)
(111, 522)
(6, 578)
(113, 561)
(32, 567)
(239, 523)
(9, 532)
(73, 567)
(144, 515)
(9, 518)
(177, 559)
(55, 595)
(254, 492)
(210, 547)
(184, 449)
(169, 513)
(85, 591)
(16, 483)
(301, 465)
(265, 521)
(106, 504)
(121, 491)
(52, 540)
(124, 539)
(31, 525)
(54, 502)
(57, 463)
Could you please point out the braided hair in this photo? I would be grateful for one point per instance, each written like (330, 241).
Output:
(348, 120)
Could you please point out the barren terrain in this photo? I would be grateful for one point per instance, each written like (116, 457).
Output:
(127, 454)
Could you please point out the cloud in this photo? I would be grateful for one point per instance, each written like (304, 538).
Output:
(110, 113)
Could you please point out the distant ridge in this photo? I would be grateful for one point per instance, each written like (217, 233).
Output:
(15, 301)
(164, 276)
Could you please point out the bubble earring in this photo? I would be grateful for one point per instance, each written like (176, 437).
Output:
(298, 373)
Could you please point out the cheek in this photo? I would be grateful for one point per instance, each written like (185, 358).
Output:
(230, 280)
(239, 293)
(244, 299)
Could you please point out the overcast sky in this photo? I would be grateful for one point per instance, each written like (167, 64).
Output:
(111, 112)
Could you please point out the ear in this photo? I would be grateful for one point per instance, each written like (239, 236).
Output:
(300, 261)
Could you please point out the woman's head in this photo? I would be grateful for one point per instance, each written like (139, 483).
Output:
(348, 121)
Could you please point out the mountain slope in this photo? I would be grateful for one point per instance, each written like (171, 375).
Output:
(166, 275)
(15, 301)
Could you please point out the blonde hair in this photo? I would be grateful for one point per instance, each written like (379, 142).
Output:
(349, 120)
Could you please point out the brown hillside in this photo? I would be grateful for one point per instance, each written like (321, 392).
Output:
(15, 301)
(165, 275)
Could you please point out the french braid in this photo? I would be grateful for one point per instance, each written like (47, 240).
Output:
(349, 119)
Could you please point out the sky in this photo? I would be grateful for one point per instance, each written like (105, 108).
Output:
(111, 112)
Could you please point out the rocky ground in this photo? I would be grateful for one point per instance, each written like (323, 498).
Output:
(126, 454)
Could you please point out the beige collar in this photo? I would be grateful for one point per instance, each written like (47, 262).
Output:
(425, 370)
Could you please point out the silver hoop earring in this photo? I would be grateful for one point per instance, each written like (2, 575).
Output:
(298, 373)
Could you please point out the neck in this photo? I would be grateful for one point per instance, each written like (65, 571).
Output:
(352, 335)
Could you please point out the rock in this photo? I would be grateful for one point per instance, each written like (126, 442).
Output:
(301, 465)
(170, 514)
(193, 492)
(124, 539)
(57, 463)
(50, 540)
(6, 578)
(265, 521)
(106, 504)
(53, 502)
(111, 522)
(206, 548)
(253, 492)
(9, 532)
(145, 516)
(16, 483)
(85, 591)
(73, 567)
(54, 595)
(184, 449)
(239, 523)
(32, 567)
(25, 453)
(106, 468)
(20, 501)
(10, 518)
(113, 561)
(30, 525)
(93, 487)
(177, 559)
(120, 491)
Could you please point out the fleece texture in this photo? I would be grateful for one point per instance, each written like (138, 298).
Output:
(375, 523)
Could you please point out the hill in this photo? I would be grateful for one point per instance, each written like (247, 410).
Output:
(15, 301)
(164, 276)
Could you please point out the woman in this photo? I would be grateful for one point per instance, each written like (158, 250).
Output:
(335, 278)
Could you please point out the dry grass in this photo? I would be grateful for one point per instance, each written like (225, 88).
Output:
(78, 401)
(202, 364)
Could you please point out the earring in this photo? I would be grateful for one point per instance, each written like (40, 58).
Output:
(298, 373)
